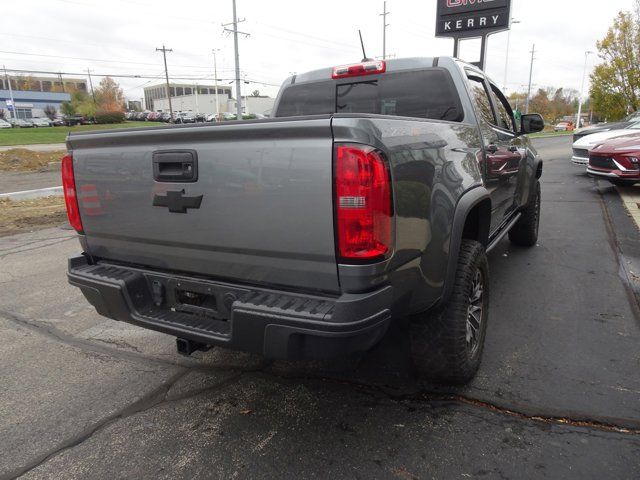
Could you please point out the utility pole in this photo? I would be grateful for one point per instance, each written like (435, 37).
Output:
(14, 114)
(215, 81)
(584, 74)
(91, 85)
(195, 89)
(384, 29)
(533, 51)
(61, 83)
(166, 76)
(237, 55)
(506, 61)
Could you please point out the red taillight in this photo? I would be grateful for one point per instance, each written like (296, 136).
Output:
(362, 203)
(70, 194)
(359, 69)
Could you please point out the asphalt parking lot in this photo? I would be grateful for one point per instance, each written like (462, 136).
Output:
(557, 396)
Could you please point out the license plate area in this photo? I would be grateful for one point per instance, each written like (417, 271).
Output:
(201, 299)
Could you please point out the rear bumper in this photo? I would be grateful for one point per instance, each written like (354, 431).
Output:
(273, 323)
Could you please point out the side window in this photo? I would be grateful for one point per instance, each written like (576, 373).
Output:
(504, 110)
(480, 99)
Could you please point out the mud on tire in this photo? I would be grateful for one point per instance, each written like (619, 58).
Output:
(447, 344)
(525, 232)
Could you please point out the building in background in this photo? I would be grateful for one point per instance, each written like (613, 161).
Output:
(253, 104)
(30, 83)
(134, 105)
(31, 104)
(202, 99)
(186, 97)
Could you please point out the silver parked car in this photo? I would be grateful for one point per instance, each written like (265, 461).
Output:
(4, 124)
(21, 123)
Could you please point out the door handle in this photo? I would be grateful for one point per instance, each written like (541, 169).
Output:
(175, 166)
(492, 148)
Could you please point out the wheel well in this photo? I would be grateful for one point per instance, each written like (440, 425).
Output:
(476, 225)
(539, 170)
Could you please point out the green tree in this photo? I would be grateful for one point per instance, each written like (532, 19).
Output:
(67, 108)
(615, 83)
(82, 103)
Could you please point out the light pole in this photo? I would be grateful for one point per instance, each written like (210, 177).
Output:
(215, 81)
(584, 74)
(237, 55)
(506, 60)
(384, 29)
(533, 52)
(13, 112)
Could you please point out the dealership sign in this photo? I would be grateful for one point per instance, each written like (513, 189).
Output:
(472, 18)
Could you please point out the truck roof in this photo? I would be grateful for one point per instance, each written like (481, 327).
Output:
(393, 64)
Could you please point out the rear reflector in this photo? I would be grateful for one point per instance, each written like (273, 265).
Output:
(359, 69)
(70, 194)
(362, 203)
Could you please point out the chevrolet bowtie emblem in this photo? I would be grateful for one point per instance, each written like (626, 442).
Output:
(176, 201)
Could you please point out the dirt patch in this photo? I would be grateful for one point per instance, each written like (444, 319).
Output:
(29, 215)
(24, 160)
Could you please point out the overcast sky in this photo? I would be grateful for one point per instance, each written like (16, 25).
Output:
(120, 37)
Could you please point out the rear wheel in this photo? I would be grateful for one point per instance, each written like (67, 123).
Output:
(525, 231)
(447, 345)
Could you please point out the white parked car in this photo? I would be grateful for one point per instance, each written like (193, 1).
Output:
(583, 146)
(41, 122)
(4, 124)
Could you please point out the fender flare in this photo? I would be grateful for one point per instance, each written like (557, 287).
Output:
(465, 204)
(538, 165)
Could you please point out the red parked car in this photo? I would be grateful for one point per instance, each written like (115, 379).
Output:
(617, 160)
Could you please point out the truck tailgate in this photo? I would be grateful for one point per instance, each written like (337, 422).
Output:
(259, 212)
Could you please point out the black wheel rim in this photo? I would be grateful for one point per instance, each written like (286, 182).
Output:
(474, 312)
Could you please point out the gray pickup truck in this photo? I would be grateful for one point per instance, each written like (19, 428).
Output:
(373, 195)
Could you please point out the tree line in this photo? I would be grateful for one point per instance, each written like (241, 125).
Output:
(615, 81)
(107, 100)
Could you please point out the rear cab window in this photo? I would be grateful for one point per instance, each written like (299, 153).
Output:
(426, 93)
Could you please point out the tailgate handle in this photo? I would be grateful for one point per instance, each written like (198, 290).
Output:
(175, 166)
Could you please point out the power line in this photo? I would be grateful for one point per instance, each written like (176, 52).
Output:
(117, 75)
(91, 59)
(306, 35)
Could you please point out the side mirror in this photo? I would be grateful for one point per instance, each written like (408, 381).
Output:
(531, 123)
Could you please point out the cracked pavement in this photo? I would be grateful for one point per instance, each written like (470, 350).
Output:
(557, 396)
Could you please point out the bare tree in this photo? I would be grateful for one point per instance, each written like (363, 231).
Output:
(50, 111)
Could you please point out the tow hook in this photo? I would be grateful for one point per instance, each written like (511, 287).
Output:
(187, 347)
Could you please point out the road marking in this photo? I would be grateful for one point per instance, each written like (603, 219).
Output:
(30, 194)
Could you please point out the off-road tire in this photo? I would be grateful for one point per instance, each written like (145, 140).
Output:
(440, 342)
(525, 232)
